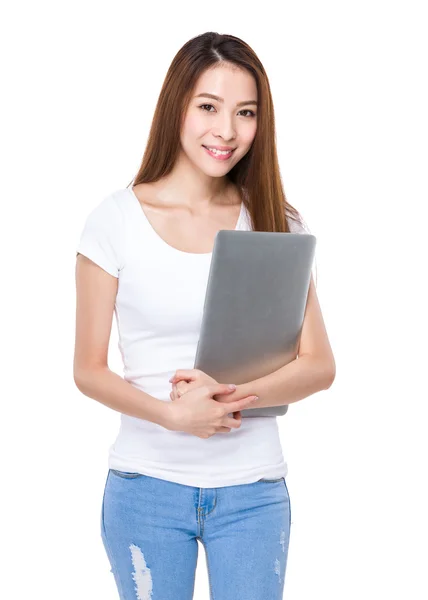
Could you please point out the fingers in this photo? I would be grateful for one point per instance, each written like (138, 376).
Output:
(175, 393)
(190, 374)
(232, 423)
(239, 404)
(220, 388)
(223, 430)
(182, 387)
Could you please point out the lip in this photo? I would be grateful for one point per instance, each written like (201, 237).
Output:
(219, 157)
(220, 147)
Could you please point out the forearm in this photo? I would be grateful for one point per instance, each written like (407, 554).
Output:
(294, 381)
(113, 391)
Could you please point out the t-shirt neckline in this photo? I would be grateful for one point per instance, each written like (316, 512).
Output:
(163, 242)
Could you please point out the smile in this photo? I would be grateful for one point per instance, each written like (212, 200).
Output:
(219, 154)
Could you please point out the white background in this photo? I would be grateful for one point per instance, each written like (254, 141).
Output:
(349, 84)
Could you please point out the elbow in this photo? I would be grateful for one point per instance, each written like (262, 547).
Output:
(323, 370)
(326, 371)
(78, 381)
(329, 381)
(330, 375)
(83, 376)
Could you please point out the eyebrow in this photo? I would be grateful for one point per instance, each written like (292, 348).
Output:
(214, 97)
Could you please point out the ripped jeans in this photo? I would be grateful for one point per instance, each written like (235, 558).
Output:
(150, 529)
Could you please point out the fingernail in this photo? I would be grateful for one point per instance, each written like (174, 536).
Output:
(255, 398)
(232, 386)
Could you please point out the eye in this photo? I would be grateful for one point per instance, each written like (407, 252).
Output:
(204, 105)
(253, 114)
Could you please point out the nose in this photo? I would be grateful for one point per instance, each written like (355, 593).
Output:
(226, 128)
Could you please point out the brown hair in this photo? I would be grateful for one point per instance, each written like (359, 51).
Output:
(256, 175)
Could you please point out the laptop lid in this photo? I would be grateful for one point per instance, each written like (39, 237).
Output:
(254, 307)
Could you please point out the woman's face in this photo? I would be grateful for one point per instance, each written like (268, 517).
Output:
(225, 122)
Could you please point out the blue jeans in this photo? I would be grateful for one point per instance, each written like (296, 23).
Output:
(150, 528)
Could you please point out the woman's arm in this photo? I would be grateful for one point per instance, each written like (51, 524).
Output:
(109, 388)
(314, 369)
(96, 293)
(294, 381)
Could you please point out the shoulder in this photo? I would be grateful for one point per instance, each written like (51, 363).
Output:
(109, 212)
(147, 193)
(297, 226)
(103, 237)
(296, 223)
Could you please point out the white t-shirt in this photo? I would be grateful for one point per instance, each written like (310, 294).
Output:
(158, 309)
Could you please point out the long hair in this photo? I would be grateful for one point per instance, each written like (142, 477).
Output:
(257, 175)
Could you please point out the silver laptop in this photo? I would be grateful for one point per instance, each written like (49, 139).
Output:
(254, 307)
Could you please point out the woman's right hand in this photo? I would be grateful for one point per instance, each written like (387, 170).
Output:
(196, 412)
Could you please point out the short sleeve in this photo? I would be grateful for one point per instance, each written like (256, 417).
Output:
(302, 227)
(100, 239)
(296, 226)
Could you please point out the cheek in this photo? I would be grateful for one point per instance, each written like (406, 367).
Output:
(193, 126)
(250, 135)
(245, 143)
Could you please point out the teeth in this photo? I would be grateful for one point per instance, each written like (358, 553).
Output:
(219, 151)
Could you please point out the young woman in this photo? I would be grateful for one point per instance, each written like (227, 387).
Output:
(185, 466)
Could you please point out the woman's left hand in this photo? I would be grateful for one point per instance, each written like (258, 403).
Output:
(186, 380)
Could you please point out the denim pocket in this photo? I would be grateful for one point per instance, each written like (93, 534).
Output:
(125, 474)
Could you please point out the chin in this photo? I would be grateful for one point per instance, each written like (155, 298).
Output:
(216, 172)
